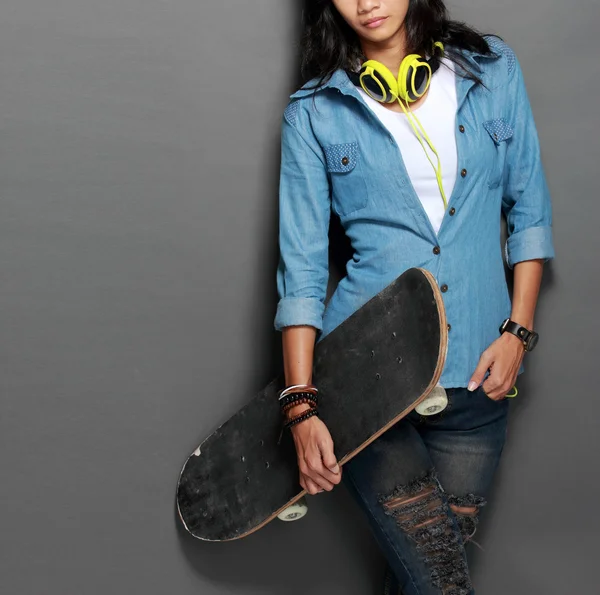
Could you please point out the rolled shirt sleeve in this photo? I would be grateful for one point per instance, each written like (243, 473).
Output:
(526, 199)
(304, 214)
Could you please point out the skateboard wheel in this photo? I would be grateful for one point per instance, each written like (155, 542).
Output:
(294, 512)
(436, 402)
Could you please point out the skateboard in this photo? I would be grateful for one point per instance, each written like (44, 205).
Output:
(371, 371)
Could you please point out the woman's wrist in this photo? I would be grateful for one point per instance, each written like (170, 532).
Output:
(523, 319)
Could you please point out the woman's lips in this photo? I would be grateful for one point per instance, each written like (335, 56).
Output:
(375, 23)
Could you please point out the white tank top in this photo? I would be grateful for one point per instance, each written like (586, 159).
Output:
(437, 114)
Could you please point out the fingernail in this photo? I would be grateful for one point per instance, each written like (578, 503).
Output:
(472, 386)
(335, 469)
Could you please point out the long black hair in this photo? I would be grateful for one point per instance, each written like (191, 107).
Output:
(329, 43)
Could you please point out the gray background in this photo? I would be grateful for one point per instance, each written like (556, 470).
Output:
(139, 147)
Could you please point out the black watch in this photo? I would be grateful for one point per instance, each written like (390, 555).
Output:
(529, 338)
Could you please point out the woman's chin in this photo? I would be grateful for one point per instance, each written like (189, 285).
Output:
(382, 35)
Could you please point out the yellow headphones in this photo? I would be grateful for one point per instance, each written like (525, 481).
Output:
(412, 82)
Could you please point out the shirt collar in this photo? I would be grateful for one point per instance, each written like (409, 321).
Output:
(340, 80)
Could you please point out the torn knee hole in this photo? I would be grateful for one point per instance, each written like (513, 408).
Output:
(422, 513)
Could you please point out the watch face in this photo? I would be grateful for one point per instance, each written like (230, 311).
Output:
(532, 341)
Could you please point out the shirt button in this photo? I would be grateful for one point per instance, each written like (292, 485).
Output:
(463, 173)
(444, 288)
(345, 160)
(436, 250)
(452, 211)
(449, 327)
(461, 128)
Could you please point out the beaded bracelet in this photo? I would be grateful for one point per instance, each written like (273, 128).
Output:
(301, 417)
(293, 404)
(292, 397)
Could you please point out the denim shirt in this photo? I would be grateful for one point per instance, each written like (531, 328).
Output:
(337, 155)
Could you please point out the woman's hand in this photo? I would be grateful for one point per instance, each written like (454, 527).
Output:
(503, 358)
(318, 466)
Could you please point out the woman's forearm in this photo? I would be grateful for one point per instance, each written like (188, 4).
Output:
(526, 288)
(298, 351)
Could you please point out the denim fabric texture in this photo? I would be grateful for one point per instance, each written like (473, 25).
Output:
(337, 156)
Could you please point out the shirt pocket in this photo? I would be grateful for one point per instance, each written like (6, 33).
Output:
(348, 184)
(500, 132)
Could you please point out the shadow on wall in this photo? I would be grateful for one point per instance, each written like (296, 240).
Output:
(263, 558)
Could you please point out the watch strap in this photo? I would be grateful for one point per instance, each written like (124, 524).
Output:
(518, 330)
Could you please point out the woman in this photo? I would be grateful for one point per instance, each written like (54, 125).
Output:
(419, 176)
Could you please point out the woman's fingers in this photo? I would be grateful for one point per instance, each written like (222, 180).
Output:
(309, 468)
(320, 460)
(329, 461)
(324, 471)
(317, 483)
(504, 356)
(499, 383)
(485, 361)
(311, 487)
(316, 474)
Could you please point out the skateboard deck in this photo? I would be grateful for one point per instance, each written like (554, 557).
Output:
(371, 371)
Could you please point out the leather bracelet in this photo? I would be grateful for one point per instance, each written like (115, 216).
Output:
(293, 387)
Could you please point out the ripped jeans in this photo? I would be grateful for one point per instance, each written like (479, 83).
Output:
(421, 484)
